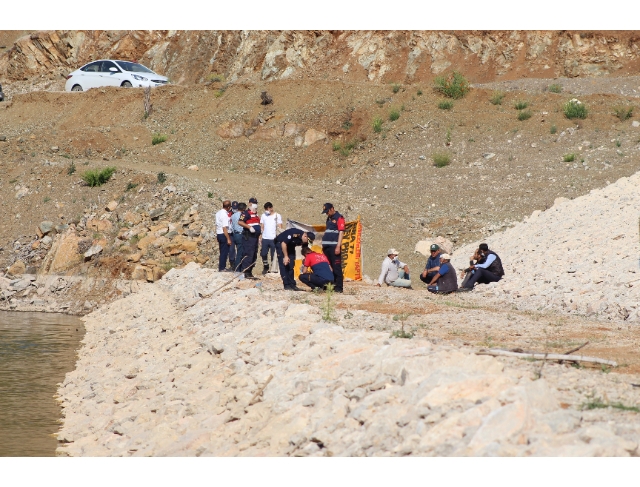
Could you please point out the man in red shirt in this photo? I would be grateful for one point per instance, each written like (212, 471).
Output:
(316, 270)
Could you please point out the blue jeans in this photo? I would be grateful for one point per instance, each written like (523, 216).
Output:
(238, 243)
(224, 251)
(268, 247)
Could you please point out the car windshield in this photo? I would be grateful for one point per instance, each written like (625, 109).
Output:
(134, 67)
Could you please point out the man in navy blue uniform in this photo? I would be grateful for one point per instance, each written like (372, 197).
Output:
(286, 244)
(250, 221)
(332, 242)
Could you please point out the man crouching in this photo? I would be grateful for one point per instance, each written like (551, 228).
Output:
(316, 270)
(445, 281)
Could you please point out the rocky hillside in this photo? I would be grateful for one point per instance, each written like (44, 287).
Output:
(401, 56)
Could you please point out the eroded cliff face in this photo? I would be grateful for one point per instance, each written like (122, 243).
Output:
(383, 56)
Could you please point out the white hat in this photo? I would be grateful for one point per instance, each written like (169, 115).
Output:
(445, 257)
(392, 251)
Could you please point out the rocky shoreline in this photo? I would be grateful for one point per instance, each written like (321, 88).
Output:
(247, 371)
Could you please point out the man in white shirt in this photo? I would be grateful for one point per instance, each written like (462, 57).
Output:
(271, 225)
(222, 234)
(394, 273)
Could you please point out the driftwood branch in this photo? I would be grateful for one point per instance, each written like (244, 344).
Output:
(260, 391)
(576, 349)
(547, 356)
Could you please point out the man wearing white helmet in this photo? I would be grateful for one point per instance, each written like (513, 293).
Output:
(394, 273)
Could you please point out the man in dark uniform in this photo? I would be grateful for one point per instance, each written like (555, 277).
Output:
(250, 221)
(332, 242)
(490, 270)
(286, 244)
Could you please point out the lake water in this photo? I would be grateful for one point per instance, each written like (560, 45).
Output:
(36, 351)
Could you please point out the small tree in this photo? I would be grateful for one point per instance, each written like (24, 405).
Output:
(455, 85)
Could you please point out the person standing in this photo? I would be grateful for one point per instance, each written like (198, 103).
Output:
(332, 242)
(232, 248)
(222, 234)
(271, 224)
(236, 233)
(315, 271)
(445, 281)
(489, 270)
(393, 272)
(250, 222)
(433, 265)
(286, 244)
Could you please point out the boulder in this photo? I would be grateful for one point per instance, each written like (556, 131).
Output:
(93, 250)
(99, 225)
(143, 243)
(17, 268)
(131, 217)
(193, 167)
(111, 206)
(139, 273)
(22, 192)
(231, 130)
(312, 136)
(66, 253)
(46, 227)
(266, 134)
(293, 129)
(423, 246)
(157, 213)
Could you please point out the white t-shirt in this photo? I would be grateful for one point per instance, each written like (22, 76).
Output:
(222, 220)
(269, 223)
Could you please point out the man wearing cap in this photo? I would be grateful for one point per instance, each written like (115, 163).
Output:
(250, 222)
(445, 280)
(222, 234)
(316, 270)
(393, 272)
(332, 242)
(490, 270)
(286, 244)
(433, 265)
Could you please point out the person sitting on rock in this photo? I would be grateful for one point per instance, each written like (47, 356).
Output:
(445, 281)
(316, 270)
(465, 274)
(433, 265)
(490, 270)
(394, 273)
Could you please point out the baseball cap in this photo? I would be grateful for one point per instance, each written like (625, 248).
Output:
(445, 257)
(253, 200)
(326, 208)
(392, 251)
(311, 236)
(434, 247)
(234, 205)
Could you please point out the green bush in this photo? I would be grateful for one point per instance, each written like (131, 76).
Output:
(158, 139)
(419, 93)
(162, 177)
(524, 115)
(497, 97)
(441, 159)
(71, 169)
(555, 88)
(395, 87)
(623, 113)
(453, 86)
(377, 125)
(394, 115)
(569, 157)
(553, 129)
(575, 109)
(445, 105)
(130, 186)
(521, 105)
(96, 177)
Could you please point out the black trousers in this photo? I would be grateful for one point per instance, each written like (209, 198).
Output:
(249, 251)
(313, 281)
(286, 271)
(336, 264)
(224, 251)
(481, 276)
(427, 280)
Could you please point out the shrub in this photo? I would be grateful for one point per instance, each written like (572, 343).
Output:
(395, 87)
(162, 177)
(216, 78)
(569, 157)
(130, 186)
(441, 159)
(347, 125)
(497, 97)
(219, 93)
(209, 194)
(623, 113)
(524, 115)
(98, 178)
(555, 88)
(445, 105)
(553, 129)
(345, 149)
(575, 109)
(419, 93)
(158, 139)
(71, 169)
(453, 86)
(394, 115)
(521, 105)
(618, 143)
(377, 125)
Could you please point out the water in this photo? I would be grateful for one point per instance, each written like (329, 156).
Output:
(36, 351)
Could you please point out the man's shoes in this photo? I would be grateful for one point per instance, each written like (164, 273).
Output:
(338, 290)
(265, 270)
(291, 288)
(464, 289)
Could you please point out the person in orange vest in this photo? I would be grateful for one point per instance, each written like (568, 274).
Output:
(250, 221)
(316, 270)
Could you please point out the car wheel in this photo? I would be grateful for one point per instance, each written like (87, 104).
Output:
(76, 88)
(127, 84)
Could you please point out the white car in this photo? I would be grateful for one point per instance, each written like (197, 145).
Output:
(108, 72)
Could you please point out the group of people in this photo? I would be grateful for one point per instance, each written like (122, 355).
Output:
(240, 232)
(439, 275)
